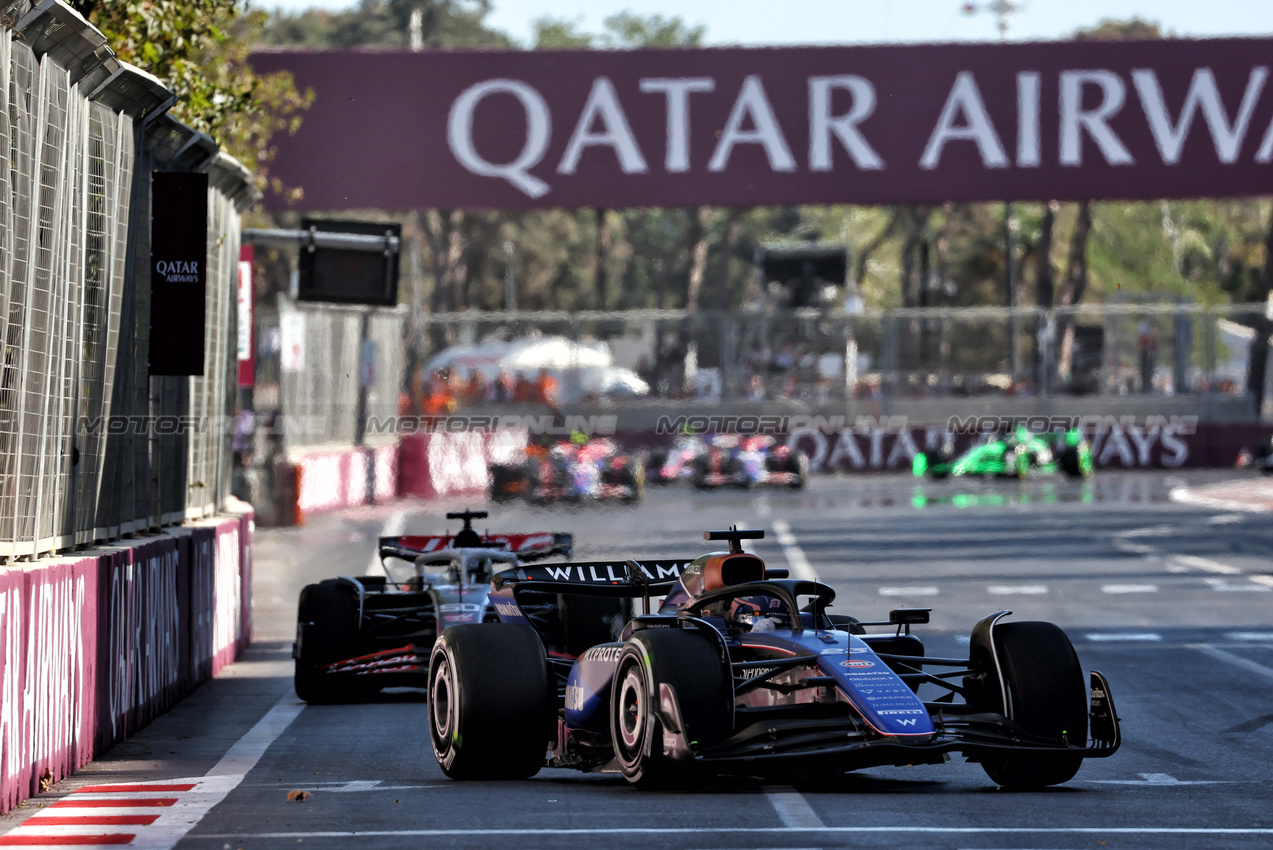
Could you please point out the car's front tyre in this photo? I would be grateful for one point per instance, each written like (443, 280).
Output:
(490, 706)
(1047, 696)
(690, 663)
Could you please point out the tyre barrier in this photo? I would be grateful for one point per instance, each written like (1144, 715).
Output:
(95, 646)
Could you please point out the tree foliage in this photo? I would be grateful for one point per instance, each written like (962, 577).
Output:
(199, 48)
(386, 23)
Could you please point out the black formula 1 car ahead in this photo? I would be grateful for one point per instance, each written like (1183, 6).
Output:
(742, 671)
(356, 635)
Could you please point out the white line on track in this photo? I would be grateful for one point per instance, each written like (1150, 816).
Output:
(394, 525)
(920, 590)
(1017, 589)
(1250, 636)
(800, 567)
(1186, 496)
(1129, 588)
(1158, 779)
(794, 810)
(247, 751)
(1123, 636)
(181, 810)
(715, 830)
(1207, 565)
(1235, 660)
(1236, 587)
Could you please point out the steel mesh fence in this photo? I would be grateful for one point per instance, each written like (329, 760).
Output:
(330, 356)
(74, 323)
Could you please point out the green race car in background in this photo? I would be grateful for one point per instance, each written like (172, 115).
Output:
(1015, 455)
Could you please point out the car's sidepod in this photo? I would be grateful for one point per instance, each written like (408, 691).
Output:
(588, 688)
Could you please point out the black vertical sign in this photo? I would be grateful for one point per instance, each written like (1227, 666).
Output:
(178, 272)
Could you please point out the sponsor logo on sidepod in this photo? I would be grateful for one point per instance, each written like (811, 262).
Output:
(574, 698)
(602, 653)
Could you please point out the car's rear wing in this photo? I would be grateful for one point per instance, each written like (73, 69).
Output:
(600, 578)
(527, 547)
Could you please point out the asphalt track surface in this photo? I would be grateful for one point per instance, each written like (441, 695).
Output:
(1171, 601)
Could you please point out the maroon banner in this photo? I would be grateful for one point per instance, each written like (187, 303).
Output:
(1146, 445)
(1065, 120)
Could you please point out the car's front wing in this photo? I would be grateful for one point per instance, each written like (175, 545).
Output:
(845, 743)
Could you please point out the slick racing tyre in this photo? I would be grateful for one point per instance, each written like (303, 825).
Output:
(326, 631)
(798, 465)
(1022, 462)
(1076, 461)
(490, 704)
(690, 663)
(1048, 698)
(507, 483)
(698, 472)
(632, 476)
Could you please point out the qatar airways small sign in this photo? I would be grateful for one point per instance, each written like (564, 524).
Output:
(178, 272)
(1065, 120)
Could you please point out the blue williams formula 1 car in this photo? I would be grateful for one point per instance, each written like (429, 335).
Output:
(358, 634)
(742, 671)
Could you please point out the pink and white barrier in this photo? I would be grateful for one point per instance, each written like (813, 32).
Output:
(95, 647)
(435, 465)
(331, 480)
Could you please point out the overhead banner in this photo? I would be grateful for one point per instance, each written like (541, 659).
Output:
(1066, 120)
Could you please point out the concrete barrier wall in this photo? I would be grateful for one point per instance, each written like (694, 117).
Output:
(438, 465)
(338, 478)
(94, 647)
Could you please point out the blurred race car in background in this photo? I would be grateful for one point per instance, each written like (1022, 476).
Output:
(742, 671)
(575, 470)
(1015, 455)
(356, 635)
(669, 464)
(1259, 456)
(740, 461)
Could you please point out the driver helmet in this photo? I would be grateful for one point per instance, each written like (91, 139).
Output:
(758, 613)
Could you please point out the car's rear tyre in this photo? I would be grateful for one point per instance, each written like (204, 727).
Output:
(698, 472)
(1048, 697)
(690, 663)
(1076, 461)
(633, 477)
(798, 465)
(935, 463)
(490, 704)
(326, 631)
(1022, 461)
(507, 483)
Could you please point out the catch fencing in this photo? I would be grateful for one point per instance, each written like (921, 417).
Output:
(338, 367)
(91, 447)
(815, 356)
